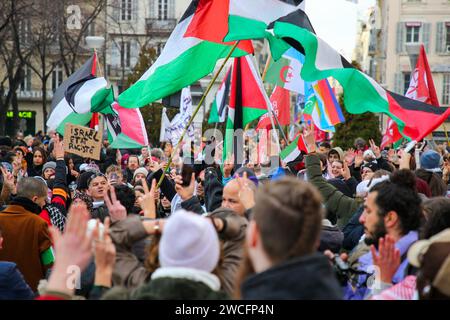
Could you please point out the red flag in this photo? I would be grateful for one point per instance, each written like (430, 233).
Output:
(94, 121)
(421, 88)
(281, 106)
(391, 135)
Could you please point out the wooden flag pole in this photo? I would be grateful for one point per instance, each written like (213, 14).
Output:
(211, 83)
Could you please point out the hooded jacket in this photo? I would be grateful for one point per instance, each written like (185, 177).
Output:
(309, 277)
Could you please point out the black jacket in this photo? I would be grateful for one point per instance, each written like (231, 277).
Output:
(310, 277)
(353, 230)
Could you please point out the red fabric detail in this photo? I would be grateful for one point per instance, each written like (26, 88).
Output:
(210, 22)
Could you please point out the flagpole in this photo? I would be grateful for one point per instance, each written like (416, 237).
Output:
(211, 83)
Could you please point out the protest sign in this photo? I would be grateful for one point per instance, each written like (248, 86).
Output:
(82, 141)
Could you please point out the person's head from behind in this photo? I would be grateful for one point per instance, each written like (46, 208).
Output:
(286, 223)
(126, 196)
(324, 147)
(231, 199)
(133, 162)
(437, 216)
(33, 189)
(432, 258)
(189, 241)
(392, 208)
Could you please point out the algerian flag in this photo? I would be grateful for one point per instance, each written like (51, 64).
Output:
(286, 71)
(219, 106)
(294, 149)
(187, 55)
(78, 96)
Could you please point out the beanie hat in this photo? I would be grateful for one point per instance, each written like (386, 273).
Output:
(140, 170)
(49, 165)
(189, 240)
(369, 154)
(82, 182)
(87, 199)
(372, 165)
(430, 161)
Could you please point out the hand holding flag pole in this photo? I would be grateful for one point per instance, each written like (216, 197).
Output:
(211, 83)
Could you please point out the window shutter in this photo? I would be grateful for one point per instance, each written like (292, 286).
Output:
(400, 36)
(116, 10)
(134, 48)
(135, 8)
(398, 83)
(440, 37)
(115, 54)
(426, 35)
(171, 9)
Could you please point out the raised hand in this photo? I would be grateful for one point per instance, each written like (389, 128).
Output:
(58, 148)
(346, 171)
(116, 210)
(309, 137)
(350, 156)
(376, 150)
(105, 256)
(73, 248)
(8, 180)
(246, 194)
(185, 192)
(147, 201)
(387, 259)
(359, 159)
(405, 158)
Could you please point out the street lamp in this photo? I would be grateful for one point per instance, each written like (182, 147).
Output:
(95, 42)
(413, 50)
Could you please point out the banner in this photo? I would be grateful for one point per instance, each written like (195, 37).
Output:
(176, 128)
(83, 141)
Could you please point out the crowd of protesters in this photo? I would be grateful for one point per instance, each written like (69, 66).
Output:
(361, 223)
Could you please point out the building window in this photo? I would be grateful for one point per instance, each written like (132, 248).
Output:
(406, 81)
(447, 35)
(125, 54)
(57, 77)
(446, 91)
(126, 10)
(25, 85)
(412, 32)
(162, 9)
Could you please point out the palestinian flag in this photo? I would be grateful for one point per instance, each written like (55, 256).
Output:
(294, 149)
(415, 119)
(78, 97)
(248, 19)
(248, 100)
(126, 128)
(218, 108)
(191, 52)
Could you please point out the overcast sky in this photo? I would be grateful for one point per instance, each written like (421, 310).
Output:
(335, 21)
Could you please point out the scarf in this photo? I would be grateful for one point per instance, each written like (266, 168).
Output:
(27, 204)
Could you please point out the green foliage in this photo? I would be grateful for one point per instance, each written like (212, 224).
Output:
(153, 112)
(365, 125)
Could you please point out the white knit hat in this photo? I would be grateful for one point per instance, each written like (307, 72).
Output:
(140, 170)
(190, 241)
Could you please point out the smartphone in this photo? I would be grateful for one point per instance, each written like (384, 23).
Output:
(186, 174)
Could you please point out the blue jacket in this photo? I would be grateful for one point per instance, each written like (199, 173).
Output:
(12, 283)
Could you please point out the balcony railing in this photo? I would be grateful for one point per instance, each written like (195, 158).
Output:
(160, 27)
